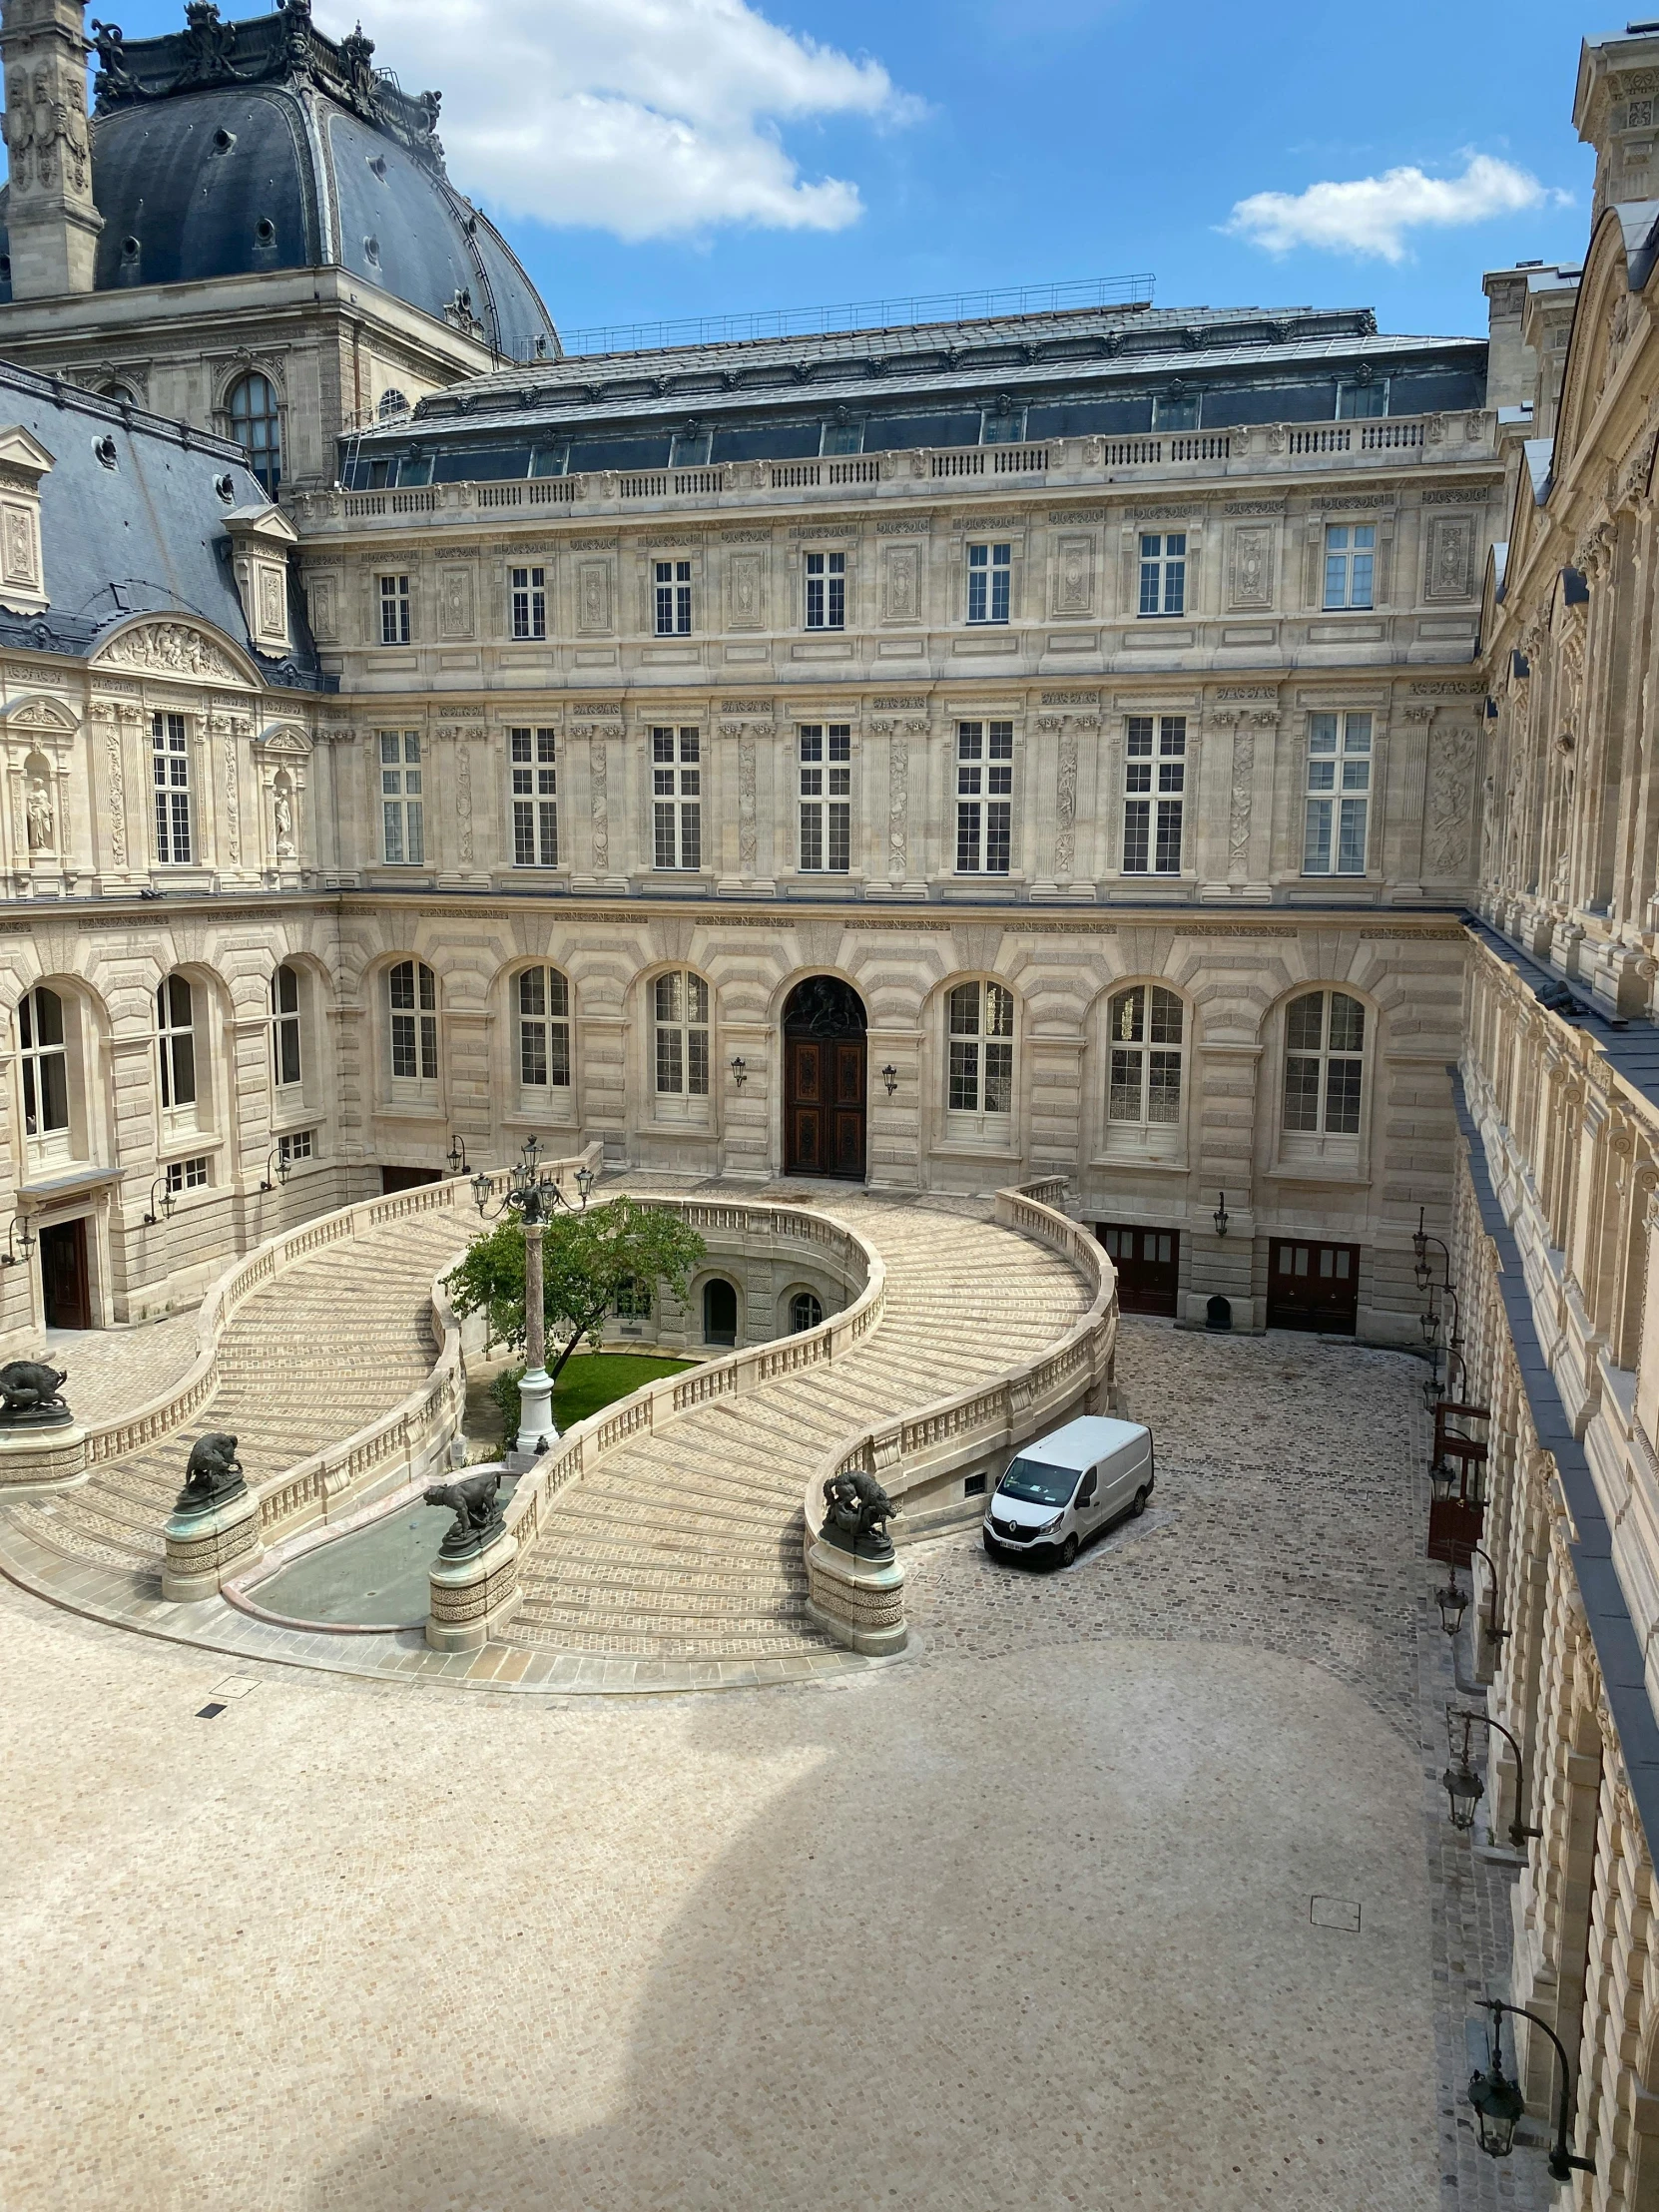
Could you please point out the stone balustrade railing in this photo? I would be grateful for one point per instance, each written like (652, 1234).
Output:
(1254, 448)
(470, 1599)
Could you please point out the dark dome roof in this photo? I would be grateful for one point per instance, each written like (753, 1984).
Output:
(228, 149)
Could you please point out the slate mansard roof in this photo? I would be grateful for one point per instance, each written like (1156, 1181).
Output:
(1073, 372)
(140, 532)
(231, 148)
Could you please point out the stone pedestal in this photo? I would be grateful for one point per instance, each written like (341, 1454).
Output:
(860, 1601)
(205, 1549)
(43, 1454)
(535, 1412)
(473, 1595)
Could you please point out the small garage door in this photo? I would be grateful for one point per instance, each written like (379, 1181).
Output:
(1148, 1262)
(1314, 1285)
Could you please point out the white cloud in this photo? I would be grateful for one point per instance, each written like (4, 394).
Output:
(646, 118)
(1372, 215)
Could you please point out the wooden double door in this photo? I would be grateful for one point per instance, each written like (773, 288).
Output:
(1148, 1262)
(1314, 1285)
(823, 1106)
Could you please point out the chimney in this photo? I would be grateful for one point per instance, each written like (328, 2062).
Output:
(1613, 110)
(51, 218)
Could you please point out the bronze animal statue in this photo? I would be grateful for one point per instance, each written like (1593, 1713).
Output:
(475, 1505)
(214, 1474)
(31, 1386)
(858, 1510)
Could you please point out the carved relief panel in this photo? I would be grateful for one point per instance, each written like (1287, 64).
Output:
(1448, 558)
(594, 597)
(1250, 565)
(901, 582)
(1074, 576)
(322, 605)
(746, 591)
(456, 614)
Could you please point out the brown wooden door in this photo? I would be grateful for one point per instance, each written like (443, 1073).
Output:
(823, 1107)
(65, 1279)
(1313, 1286)
(1148, 1262)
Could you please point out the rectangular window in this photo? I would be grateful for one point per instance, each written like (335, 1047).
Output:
(984, 797)
(1338, 794)
(1349, 563)
(990, 568)
(413, 995)
(1354, 400)
(186, 1175)
(827, 797)
(677, 786)
(842, 437)
(529, 602)
(170, 760)
(535, 780)
(1175, 410)
(403, 808)
(298, 1144)
(674, 599)
(284, 1027)
(394, 610)
(1163, 572)
(981, 1068)
(1153, 785)
(826, 591)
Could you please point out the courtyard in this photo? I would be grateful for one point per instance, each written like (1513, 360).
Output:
(1115, 1892)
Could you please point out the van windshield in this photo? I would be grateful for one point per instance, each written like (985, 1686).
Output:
(1038, 1483)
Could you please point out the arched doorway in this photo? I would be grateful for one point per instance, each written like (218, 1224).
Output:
(825, 1056)
(719, 1312)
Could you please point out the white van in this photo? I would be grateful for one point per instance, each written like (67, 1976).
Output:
(1064, 1489)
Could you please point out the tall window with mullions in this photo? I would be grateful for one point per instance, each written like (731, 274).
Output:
(535, 777)
(1325, 1044)
(677, 803)
(1155, 784)
(984, 797)
(543, 1029)
(826, 798)
(170, 755)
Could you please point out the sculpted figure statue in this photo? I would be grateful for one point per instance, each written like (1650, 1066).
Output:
(476, 1506)
(38, 809)
(30, 1387)
(858, 1510)
(214, 1476)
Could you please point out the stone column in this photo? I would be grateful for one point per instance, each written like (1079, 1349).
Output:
(52, 222)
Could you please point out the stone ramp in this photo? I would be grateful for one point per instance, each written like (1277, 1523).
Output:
(688, 1546)
(335, 1342)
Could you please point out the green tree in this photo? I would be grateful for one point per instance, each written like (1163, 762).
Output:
(588, 1259)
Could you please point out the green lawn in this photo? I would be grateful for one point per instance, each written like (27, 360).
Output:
(594, 1378)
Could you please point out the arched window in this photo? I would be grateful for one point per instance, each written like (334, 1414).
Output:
(257, 428)
(543, 1029)
(719, 1312)
(122, 395)
(981, 1071)
(44, 1054)
(1325, 1045)
(284, 1027)
(1143, 1081)
(681, 1007)
(392, 403)
(176, 1041)
(412, 1005)
(806, 1312)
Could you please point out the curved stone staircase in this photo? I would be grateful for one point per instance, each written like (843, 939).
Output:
(334, 1340)
(688, 1545)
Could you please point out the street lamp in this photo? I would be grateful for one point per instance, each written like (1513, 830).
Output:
(740, 1071)
(1420, 1243)
(889, 1076)
(1491, 1627)
(278, 1164)
(1454, 1603)
(534, 1195)
(1464, 1788)
(18, 1232)
(168, 1202)
(1221, 1217)
(455, 1159)
(1499, 2105)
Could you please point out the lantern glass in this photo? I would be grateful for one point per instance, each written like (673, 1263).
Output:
(1498, 2109)
(1464, 1790)
(1454, 1603)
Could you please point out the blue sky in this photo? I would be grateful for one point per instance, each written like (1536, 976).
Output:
(675, 158)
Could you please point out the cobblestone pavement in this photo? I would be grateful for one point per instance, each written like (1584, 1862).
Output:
(112, 1372)
(1281, 1518)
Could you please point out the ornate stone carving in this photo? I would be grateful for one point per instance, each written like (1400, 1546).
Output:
(593, 597)
(464, 797)
(1238, 812)
(170, 649)
(118, 799)
(233, 807)
(744, 571)
(41, 822)
(1449, 563)
(898, 777)
(902, 583)
(1251, 567)
(597, 801)
(1074, 576)
(746, 843)
(455, 602)
(1065, 804)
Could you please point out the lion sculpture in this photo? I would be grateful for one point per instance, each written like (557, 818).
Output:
(214, 1474)
(857, 1515)
(474, 1502)
(31, 1386)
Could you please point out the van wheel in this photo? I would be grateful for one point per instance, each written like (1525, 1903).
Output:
(1069, 1552)
(1139, 1507)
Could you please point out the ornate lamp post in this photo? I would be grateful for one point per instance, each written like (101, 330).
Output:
(1499, 2105)
(1464, 1788)
(534, 1194)
(18, 1233)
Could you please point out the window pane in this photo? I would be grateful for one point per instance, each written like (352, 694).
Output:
(1342, 1097)
(1302, 1093)
(1129, 1016)
(964, 1010)
(999, 1010)
(697, 998)
(667, 997)
(1167, 1016)
(964, 1078)
(1316, 852)
(532, 991)
(1163, 1090)
(1351, 844)
(1304, 1024)
(1348, 1024)
(1123, 1099)
(999, 1078)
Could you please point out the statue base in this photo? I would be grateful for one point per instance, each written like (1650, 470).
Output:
(205, 1549)
(860, 1601)
(49, 1453)
(473, 1596)
(535, 1417)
